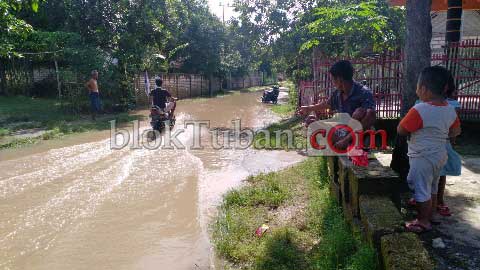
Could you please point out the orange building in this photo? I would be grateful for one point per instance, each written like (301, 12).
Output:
(442, 5)
(470, 27)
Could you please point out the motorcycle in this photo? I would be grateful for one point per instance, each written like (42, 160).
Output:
(159, 118)
(271, 95)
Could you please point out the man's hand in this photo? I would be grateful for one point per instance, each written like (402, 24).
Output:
(343, 143)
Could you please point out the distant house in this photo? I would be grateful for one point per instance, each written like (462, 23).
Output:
(470, 27)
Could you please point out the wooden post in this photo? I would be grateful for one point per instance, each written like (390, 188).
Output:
(210, 85)
(59, 88)
(3, 78)
(176, 84)
(190, 77)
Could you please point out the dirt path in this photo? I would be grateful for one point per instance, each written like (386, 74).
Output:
(461, 231)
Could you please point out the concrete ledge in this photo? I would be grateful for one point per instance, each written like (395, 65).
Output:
(335, 192)
(332, 162)
(375, 179)
(379, 217)
(344, 169)
(404, 251)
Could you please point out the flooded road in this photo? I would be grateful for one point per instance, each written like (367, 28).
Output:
(78, 204)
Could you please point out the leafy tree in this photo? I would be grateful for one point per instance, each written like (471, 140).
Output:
(13, 29)
(370, 26)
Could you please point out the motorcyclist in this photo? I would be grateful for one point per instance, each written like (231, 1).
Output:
(271, 94)
(162, 98)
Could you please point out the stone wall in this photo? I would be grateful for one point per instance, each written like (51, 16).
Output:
(370, 202)
(192, 85)
(179, 85)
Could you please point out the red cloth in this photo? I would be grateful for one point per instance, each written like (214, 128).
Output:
(359, 157)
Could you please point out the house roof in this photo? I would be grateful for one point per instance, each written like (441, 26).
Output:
(442, 5)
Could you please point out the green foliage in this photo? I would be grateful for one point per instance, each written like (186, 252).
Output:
(355, 28)
(269, 192)
(13, 30)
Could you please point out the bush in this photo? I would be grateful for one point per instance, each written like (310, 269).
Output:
(45, 88)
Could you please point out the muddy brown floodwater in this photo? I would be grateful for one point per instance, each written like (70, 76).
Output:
(78, 204)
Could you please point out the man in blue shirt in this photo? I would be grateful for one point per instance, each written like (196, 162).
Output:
(349, 97)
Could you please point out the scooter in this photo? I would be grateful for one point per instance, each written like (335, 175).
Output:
(159, 118)
(271, 95)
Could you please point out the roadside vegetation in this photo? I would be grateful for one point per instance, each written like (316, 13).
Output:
(45, 117)
(289, 122)
(306, 226)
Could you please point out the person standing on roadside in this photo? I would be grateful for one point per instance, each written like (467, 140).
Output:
(92, 86)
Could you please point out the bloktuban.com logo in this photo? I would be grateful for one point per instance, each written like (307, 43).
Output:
(341, 135)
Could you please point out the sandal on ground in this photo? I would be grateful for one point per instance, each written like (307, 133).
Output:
(412, 202)
(415, 227)
(443, 210)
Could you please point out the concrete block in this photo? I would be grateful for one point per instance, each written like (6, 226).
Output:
(375, 179)
(335, 192)
(344, 169)
(379, 217)
(332, 162)
(404, 251)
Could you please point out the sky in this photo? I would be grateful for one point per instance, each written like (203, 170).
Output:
(218, 10)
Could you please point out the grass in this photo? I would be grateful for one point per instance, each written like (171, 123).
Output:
(287, 109)
(314, 236)
(19, 113)
(288, 123)
(298, 136)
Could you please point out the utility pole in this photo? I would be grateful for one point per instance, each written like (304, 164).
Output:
(223, 9)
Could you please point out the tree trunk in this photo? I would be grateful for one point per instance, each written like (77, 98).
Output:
(417, 48)
(454, 21)
(453, 33)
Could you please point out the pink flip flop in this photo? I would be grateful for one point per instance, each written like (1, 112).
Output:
(415, 227)
(443, 210)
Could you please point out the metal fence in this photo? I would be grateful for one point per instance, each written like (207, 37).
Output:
(383, 74)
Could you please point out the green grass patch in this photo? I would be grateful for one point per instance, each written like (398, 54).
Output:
(287, 134)
(287, 109)
(321, 240)
(16, 143)
(290, 124)
(20, 113)
(4, 132)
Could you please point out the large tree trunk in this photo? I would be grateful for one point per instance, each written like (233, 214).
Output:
(417, 48)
